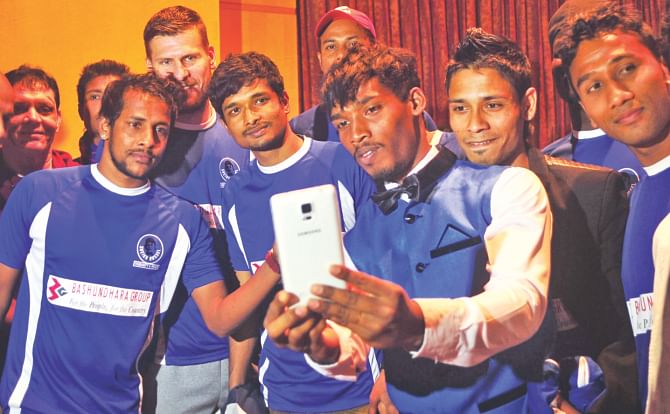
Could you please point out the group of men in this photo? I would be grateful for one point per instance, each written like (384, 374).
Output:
(483, 275)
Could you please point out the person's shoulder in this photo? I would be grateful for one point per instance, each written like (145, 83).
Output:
(304, 119)
(561, 148)
(573, 170)
(62, 159)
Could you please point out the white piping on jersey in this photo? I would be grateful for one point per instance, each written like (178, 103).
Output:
(213, 118)
(264, 368)
(35, 273)
(175, 266)
(347, 207)
(232, 218)
(658, 166)
(374, 365)
(103, 181)
(590, 134)
(290, 161)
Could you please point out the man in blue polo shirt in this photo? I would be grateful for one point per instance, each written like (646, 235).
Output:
(248, 92)
(615, 69)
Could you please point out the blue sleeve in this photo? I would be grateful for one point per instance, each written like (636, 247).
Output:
(200, 266)
(430, 124)
(15, 222)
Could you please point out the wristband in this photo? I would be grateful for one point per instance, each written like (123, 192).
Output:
(271, 261)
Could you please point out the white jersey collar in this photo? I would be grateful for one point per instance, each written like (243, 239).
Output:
(103, 181)
(290, 161)
(207, 124)
(658, 166)
(593, 133)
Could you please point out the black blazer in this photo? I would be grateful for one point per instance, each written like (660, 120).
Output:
(590, 208)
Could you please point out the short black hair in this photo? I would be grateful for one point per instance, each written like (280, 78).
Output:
(32, 77)
(480, 49)
(148, 83)
(239, 70)
(104, 67)
(395, 68)
(591, 23)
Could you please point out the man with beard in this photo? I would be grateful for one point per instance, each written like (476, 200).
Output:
(455, 337)
(88, 292)
(248, 92)
(191, 366)
(31, 129)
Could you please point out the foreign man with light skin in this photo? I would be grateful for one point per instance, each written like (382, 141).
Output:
(248, 91)
(105, 300)
(616, 70)
(491, 103)
(433, 216)
(195, 370)
(92, 82)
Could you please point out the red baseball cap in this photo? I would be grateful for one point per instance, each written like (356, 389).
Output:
(344, 12)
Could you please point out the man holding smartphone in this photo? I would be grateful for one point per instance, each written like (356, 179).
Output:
(247, 91)
(451, 332)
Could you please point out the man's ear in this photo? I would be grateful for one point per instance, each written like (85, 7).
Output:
(150, 67)
(529, 104)
(284, 101)
(211, 53)
(417, 99)
(104, 127)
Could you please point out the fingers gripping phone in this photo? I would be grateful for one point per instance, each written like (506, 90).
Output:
(308, 234)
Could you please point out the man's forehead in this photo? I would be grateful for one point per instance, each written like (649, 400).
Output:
(187, 41)
(31, 87)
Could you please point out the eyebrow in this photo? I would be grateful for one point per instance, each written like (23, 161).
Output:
(585, 76)
(235, 103)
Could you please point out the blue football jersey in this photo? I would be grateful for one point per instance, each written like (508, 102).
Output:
(196, 167)
(650, 203)
(288, 382)
(97, 263)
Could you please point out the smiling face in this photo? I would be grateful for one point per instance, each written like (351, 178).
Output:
(187, 59)
(623, 88)
(340, 36)
(36, 118)
(380, 130)
(137, 139)
(256, 117)
(488, 117)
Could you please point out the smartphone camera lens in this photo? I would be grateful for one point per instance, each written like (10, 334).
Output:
(306, 208)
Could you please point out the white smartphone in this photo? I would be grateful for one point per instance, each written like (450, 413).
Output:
(308, 234)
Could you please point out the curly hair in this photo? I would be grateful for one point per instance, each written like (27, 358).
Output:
(394, 68)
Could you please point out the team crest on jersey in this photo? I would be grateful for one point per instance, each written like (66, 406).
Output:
(149, 250)
(227, 168)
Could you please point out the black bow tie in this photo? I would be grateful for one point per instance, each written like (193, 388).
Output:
(417, 186)
(388, 200)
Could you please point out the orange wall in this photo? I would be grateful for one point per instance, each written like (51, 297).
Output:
(268, 27)
(62, 36)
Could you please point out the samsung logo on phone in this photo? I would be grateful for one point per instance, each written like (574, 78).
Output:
(308, 232)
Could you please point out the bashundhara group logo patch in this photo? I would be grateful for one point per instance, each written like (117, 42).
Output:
(227, 168)
(149, 250)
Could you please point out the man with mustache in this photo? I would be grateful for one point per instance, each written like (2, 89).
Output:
(248, 92)
(456, 338)
(31, 129)
(89, 290)
(615, 68)
(191, 367)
